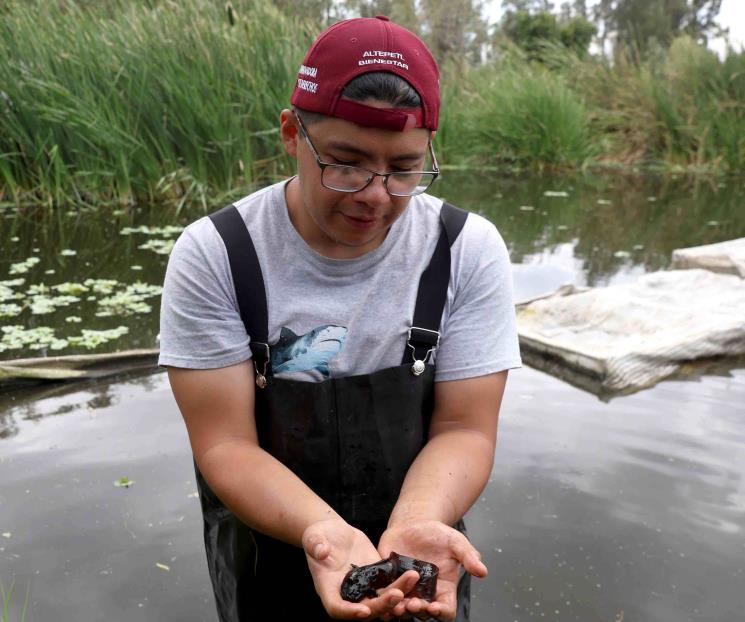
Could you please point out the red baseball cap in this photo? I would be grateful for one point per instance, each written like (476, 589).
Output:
(355, 46)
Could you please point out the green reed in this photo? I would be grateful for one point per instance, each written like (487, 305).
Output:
(125, 102)
(130, 102)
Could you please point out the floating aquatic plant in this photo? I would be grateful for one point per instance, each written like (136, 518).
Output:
(160, 246)
(8, 294)
(41, 303)
(131, 300)
(71, 289)
(16, 337)
(23, 266)
(93, 338)
(166, 231)
(101, 286)
(10, 310)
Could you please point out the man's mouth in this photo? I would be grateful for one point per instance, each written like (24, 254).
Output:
(361, 222)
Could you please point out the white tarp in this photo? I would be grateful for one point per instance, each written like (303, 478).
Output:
(626, 337)
(726, 257)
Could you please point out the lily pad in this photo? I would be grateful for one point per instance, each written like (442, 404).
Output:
(159, 246)
(129, 301)
(91, 339)
(16, 337)
(101, 286)
(23, 266)
(166, 231)
(10, 310)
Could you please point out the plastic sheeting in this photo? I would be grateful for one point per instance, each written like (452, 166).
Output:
(726, 257)
(622, 338)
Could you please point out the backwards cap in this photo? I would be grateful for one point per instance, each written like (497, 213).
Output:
(355, 46)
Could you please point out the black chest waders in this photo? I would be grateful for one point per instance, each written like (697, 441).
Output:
(351, 440)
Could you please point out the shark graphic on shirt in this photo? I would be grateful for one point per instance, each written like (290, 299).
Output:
(313, 350)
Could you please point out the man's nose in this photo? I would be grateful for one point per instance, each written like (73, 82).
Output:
(374, 193)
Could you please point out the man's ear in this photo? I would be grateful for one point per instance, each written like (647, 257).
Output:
(288, 130)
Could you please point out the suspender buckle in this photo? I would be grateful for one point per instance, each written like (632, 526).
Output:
(421, 338)
(260, 351)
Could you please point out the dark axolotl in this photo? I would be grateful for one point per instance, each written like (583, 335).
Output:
(362, 581)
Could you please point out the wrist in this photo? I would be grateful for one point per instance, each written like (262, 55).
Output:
(407, 512)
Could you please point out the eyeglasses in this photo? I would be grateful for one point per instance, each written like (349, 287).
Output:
(345, 178)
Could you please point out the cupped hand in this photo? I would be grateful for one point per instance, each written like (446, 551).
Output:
(442, 545)
(331, 547)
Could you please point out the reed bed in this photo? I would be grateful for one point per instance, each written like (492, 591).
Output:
(130, 102)
(124, 102)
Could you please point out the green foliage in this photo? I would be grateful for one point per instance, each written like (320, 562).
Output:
(532, 30)
(641, 25)
(143, 102)
(124, 102)
(525, 116)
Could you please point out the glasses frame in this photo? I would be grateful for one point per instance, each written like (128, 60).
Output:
(372, 174)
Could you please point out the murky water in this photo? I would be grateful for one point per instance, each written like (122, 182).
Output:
(630, 510)
(597, 230)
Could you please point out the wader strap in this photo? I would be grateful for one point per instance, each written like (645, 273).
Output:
(249, 283)
(424, 334)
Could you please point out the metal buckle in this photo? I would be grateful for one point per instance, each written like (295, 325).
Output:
(261, 375)
(420, 365)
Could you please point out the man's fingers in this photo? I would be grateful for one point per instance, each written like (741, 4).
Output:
(343, 610)
(467, 555)
(405, 582)
(386, 602)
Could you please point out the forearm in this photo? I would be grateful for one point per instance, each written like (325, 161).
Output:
(446, 478)
(261, 491)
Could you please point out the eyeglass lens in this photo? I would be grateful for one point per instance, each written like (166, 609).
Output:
(352, 179)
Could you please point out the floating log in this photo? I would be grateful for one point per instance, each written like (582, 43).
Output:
(75, 367)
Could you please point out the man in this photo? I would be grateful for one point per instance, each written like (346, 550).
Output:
(338, 345)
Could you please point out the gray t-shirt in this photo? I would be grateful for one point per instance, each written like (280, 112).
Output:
(339, 317)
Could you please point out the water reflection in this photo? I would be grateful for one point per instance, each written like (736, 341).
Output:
(636, 507)
(51, 400)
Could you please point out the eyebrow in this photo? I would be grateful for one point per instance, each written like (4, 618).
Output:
(349, 148)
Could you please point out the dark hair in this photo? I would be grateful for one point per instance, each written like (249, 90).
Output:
(384, 86)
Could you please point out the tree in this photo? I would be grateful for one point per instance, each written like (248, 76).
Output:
(400, 11)
(531, 30)
(637, 25)
(454, 30)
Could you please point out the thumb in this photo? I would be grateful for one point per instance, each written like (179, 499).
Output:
(316, 545)
(468, 556)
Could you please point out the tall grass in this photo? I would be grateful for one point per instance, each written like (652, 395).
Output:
(123, 102)
(518, 114)
(132, 102)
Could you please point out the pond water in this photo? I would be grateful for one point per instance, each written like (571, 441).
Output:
(620, 511)
(65, 274)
